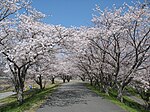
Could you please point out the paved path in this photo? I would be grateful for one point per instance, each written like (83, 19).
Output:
(75, 97)
(6, 94)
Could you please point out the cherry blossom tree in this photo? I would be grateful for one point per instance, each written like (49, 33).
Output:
(30, 39)
(142, 83)
(44, 69)
(124, 37)
(8, 8)
(112, 52)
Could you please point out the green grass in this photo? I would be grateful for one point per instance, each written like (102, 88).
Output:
(131, 91)
(6, 88)
(33, 99)
(128, 105)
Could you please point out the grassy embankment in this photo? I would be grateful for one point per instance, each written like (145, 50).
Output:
(33, 99)
(128, 104)
(5, 85)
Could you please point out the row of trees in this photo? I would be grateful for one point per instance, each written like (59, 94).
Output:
(115, 52)
(28, 46)
(112, 54)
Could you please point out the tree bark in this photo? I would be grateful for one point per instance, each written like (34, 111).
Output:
(53, 80)
(83, 79)
(91, 82)
(64, 80)
(20, 95)
(120, 94)
(68, 80)
(40, 82)
(106, 90)
(41, 87)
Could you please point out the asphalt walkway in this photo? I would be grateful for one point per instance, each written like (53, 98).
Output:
(75, 97)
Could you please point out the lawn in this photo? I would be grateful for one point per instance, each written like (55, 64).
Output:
(128, 104)
(33, 99)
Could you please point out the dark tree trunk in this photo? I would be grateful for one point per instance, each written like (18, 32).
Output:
(41, 87)
(68, 80)
(53, 80)
(91, 82)
(64, 80)
(96, 83)
(83, 79)
(40, 82)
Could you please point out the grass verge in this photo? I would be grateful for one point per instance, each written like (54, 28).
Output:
(33, 99)
(128, 105)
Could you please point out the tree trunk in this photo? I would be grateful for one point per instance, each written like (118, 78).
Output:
(147, 105)
(19, 74)
(20, 83)
(40, 82)
(53, 80)
(64, 80)
(68, 80)
(97, 84)
(91, 82)
(20, 95)
(106, 90)
(41, 87)
(83, 79)
(115, 85)
(120, 94)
